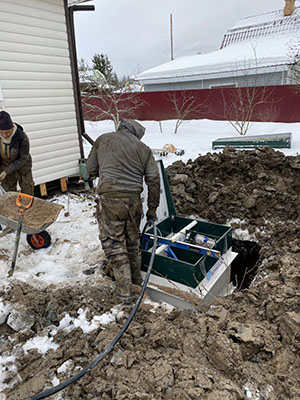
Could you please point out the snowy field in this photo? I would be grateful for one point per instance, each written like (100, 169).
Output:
(195, 137)
(75, 245)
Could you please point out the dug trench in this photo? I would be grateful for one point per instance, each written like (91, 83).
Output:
(243, 346)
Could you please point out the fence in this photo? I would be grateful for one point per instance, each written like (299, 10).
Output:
(270, 103)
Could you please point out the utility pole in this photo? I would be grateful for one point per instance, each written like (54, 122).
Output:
(171, 35)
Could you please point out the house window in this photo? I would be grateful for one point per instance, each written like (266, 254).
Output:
(223, 85)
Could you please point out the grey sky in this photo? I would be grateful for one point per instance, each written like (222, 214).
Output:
(135, 34)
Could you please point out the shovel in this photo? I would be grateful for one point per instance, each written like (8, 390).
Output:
(22, 208)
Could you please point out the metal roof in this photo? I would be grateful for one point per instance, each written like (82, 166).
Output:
(263, 25)
(266, 18)
(237, 58)
(258, 43)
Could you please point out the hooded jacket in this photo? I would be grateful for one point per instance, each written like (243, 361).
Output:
(121, 161)
(20, 159)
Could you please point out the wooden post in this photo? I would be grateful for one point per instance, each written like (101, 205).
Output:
(63, 184)
(43, 189)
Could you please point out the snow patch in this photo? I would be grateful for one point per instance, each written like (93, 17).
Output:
(7, 365)
(65, 367)
(4, 311)
(242, 234)
(68, 323)
(41, 343)
(55, 381)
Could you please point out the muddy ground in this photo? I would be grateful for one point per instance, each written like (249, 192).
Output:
(244, 346)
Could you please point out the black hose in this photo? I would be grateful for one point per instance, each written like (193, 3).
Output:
(112, 344)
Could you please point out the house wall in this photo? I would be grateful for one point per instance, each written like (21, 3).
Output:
(273, 79)
(36, 81)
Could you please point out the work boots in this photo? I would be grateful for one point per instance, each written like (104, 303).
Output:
(123, 282)
(135, 267)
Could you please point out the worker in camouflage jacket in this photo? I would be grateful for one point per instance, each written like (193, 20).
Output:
(15, 159)
(121, 161)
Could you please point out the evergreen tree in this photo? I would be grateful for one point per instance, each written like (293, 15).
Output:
(103, 64)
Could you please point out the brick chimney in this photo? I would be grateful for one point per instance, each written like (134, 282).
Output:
(289, 7)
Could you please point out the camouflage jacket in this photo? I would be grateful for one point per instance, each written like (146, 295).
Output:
(121, 161)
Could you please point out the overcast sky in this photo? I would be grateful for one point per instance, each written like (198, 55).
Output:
(135, 34)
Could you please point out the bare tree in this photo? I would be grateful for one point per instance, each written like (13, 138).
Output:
(110, 100)
(185, 106)
(294, 57)
(242, 104)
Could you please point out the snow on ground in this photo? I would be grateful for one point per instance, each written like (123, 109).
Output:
(195, 137)
(75, 247)
(7, 364)
(75, 244)
(68, 323)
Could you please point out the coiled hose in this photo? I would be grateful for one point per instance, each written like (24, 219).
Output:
(109, 348)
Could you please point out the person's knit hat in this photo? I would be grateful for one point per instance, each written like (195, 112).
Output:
(5, 121)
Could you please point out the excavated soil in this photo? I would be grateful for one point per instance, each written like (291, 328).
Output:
(40, 214)
(244, 346)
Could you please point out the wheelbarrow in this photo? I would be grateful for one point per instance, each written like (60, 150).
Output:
(36, 220)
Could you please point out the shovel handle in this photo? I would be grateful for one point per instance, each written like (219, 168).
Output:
(21, 205)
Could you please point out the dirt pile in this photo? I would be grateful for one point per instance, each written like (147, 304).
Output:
(255, 185)
(256, 190)
(41, 213)
(244, 346)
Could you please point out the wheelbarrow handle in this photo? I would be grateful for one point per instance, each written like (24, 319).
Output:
(21, 205)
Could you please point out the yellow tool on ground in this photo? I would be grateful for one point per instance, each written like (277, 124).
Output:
(22, 208)
(168, 148)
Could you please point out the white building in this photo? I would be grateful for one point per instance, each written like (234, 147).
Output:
(38, 83)
(254, 52)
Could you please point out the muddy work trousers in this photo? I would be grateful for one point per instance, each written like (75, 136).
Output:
(25, 182)
(119, 221)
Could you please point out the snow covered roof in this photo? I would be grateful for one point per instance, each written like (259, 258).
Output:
(238, 57)
(265, 18)
(265, 47)
(267, 24)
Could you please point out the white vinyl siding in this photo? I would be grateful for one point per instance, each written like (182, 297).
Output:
(36, 80)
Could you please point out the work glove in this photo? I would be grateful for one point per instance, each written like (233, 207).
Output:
(3, 175)
(151, 214)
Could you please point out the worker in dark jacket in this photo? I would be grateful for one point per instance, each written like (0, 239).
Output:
(15, 159)
(121, 161)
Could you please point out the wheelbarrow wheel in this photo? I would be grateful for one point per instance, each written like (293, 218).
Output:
(40, 240)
